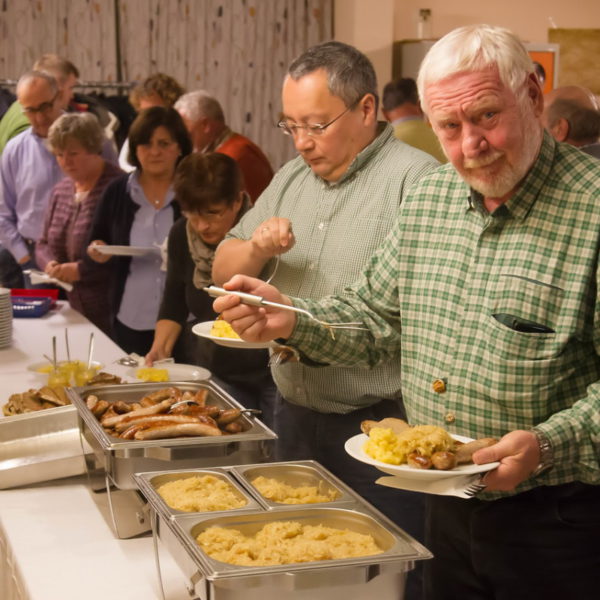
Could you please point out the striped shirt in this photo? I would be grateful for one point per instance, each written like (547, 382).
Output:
(337, 228)
(502, 307)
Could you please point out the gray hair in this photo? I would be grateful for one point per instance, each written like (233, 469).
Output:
(29, 76)
(199, 104)
(584, 123)
(350, 74)
(80, 127)
(476, 48)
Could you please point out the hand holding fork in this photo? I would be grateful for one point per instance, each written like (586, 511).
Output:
(244, 304)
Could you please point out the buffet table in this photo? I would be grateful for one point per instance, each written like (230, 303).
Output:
(54, 543)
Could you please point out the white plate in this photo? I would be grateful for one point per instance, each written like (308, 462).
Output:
(178, 372)
(354, 447)
(124, 250)
(203, 330)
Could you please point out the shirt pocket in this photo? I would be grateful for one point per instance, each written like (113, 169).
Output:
(522, 316)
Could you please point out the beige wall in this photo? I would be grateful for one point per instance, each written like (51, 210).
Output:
(373, 25)
(530, 19)
(370, 27)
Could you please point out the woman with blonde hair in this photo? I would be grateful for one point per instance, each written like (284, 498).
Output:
(76, 141)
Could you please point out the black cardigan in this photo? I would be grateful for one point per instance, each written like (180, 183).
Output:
(112, 223)
(181, 297)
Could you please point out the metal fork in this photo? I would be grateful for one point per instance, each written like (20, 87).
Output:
(253, 300)
(472, 489)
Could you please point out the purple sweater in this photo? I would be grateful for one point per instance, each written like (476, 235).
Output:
(65, 237)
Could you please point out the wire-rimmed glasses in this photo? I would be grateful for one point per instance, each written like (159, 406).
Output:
(311, 129)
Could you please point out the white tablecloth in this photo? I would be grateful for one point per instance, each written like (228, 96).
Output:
(32, 338)
(54, 543)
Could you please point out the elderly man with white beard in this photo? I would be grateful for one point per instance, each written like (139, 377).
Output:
(487, 290)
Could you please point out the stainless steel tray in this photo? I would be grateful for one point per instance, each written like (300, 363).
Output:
(296, 474)
(112, 462)
(381, 575)
(148, 484)
(40, 446)
(361, 578)
(120, 459)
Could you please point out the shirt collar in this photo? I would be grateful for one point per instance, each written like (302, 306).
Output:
(136, 192)
(384, 133)
(520, 203)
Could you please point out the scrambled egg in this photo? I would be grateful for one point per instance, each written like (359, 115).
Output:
(152, 374)
(199, 494)
(284, 542)
(388, 447)
(223, 329)
(278, 491)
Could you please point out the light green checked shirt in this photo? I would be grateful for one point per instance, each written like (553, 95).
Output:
(456, 285)
(337, 228)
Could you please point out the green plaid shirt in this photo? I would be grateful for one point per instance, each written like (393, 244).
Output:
(337, 228)
(457, 284)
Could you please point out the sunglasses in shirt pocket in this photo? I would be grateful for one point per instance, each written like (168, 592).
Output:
(522, 325)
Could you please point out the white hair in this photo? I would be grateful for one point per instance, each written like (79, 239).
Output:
(199, 104)
(476, 48)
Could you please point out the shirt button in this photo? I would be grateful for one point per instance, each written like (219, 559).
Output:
(321, 226)
(449, 418)
(311, 266)
(439, 386)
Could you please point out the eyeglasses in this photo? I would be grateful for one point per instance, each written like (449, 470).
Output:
(43, 108)
(210, 216)
(312, 130)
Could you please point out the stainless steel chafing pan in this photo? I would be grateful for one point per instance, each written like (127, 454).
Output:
(39, 446)
(296, 474)
(380, 575)
(148, 484)
(113, 461)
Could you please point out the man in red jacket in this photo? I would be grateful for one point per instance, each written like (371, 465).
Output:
(205, 121)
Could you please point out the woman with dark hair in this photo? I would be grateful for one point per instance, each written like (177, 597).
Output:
(208, 187)
(158, 89)
(138, 210)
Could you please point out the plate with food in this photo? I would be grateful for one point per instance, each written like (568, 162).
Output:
(169, 372)
(422, 452)
(220, 332)
(124, 250)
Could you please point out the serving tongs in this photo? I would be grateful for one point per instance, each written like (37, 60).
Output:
(135, 360)
(249, 411)
(253, 300)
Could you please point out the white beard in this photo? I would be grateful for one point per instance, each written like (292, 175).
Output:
(509, 176)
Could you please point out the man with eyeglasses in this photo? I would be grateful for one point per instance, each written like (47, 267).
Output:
(341, 197)
(15, 121)
(28, 172)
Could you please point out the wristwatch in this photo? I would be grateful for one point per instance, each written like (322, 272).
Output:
(546, 453)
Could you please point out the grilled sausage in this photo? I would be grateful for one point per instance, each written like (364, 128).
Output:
(414, 459)
(150, 410)
(464, 452)
(100, 408)
(444, 461)
(200, 397)
(235, 427)
(396, 425)
(91, 401)
(177, 430)
(228, 416)
(154, 420)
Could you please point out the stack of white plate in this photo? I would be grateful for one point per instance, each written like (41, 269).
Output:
(5, 318)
